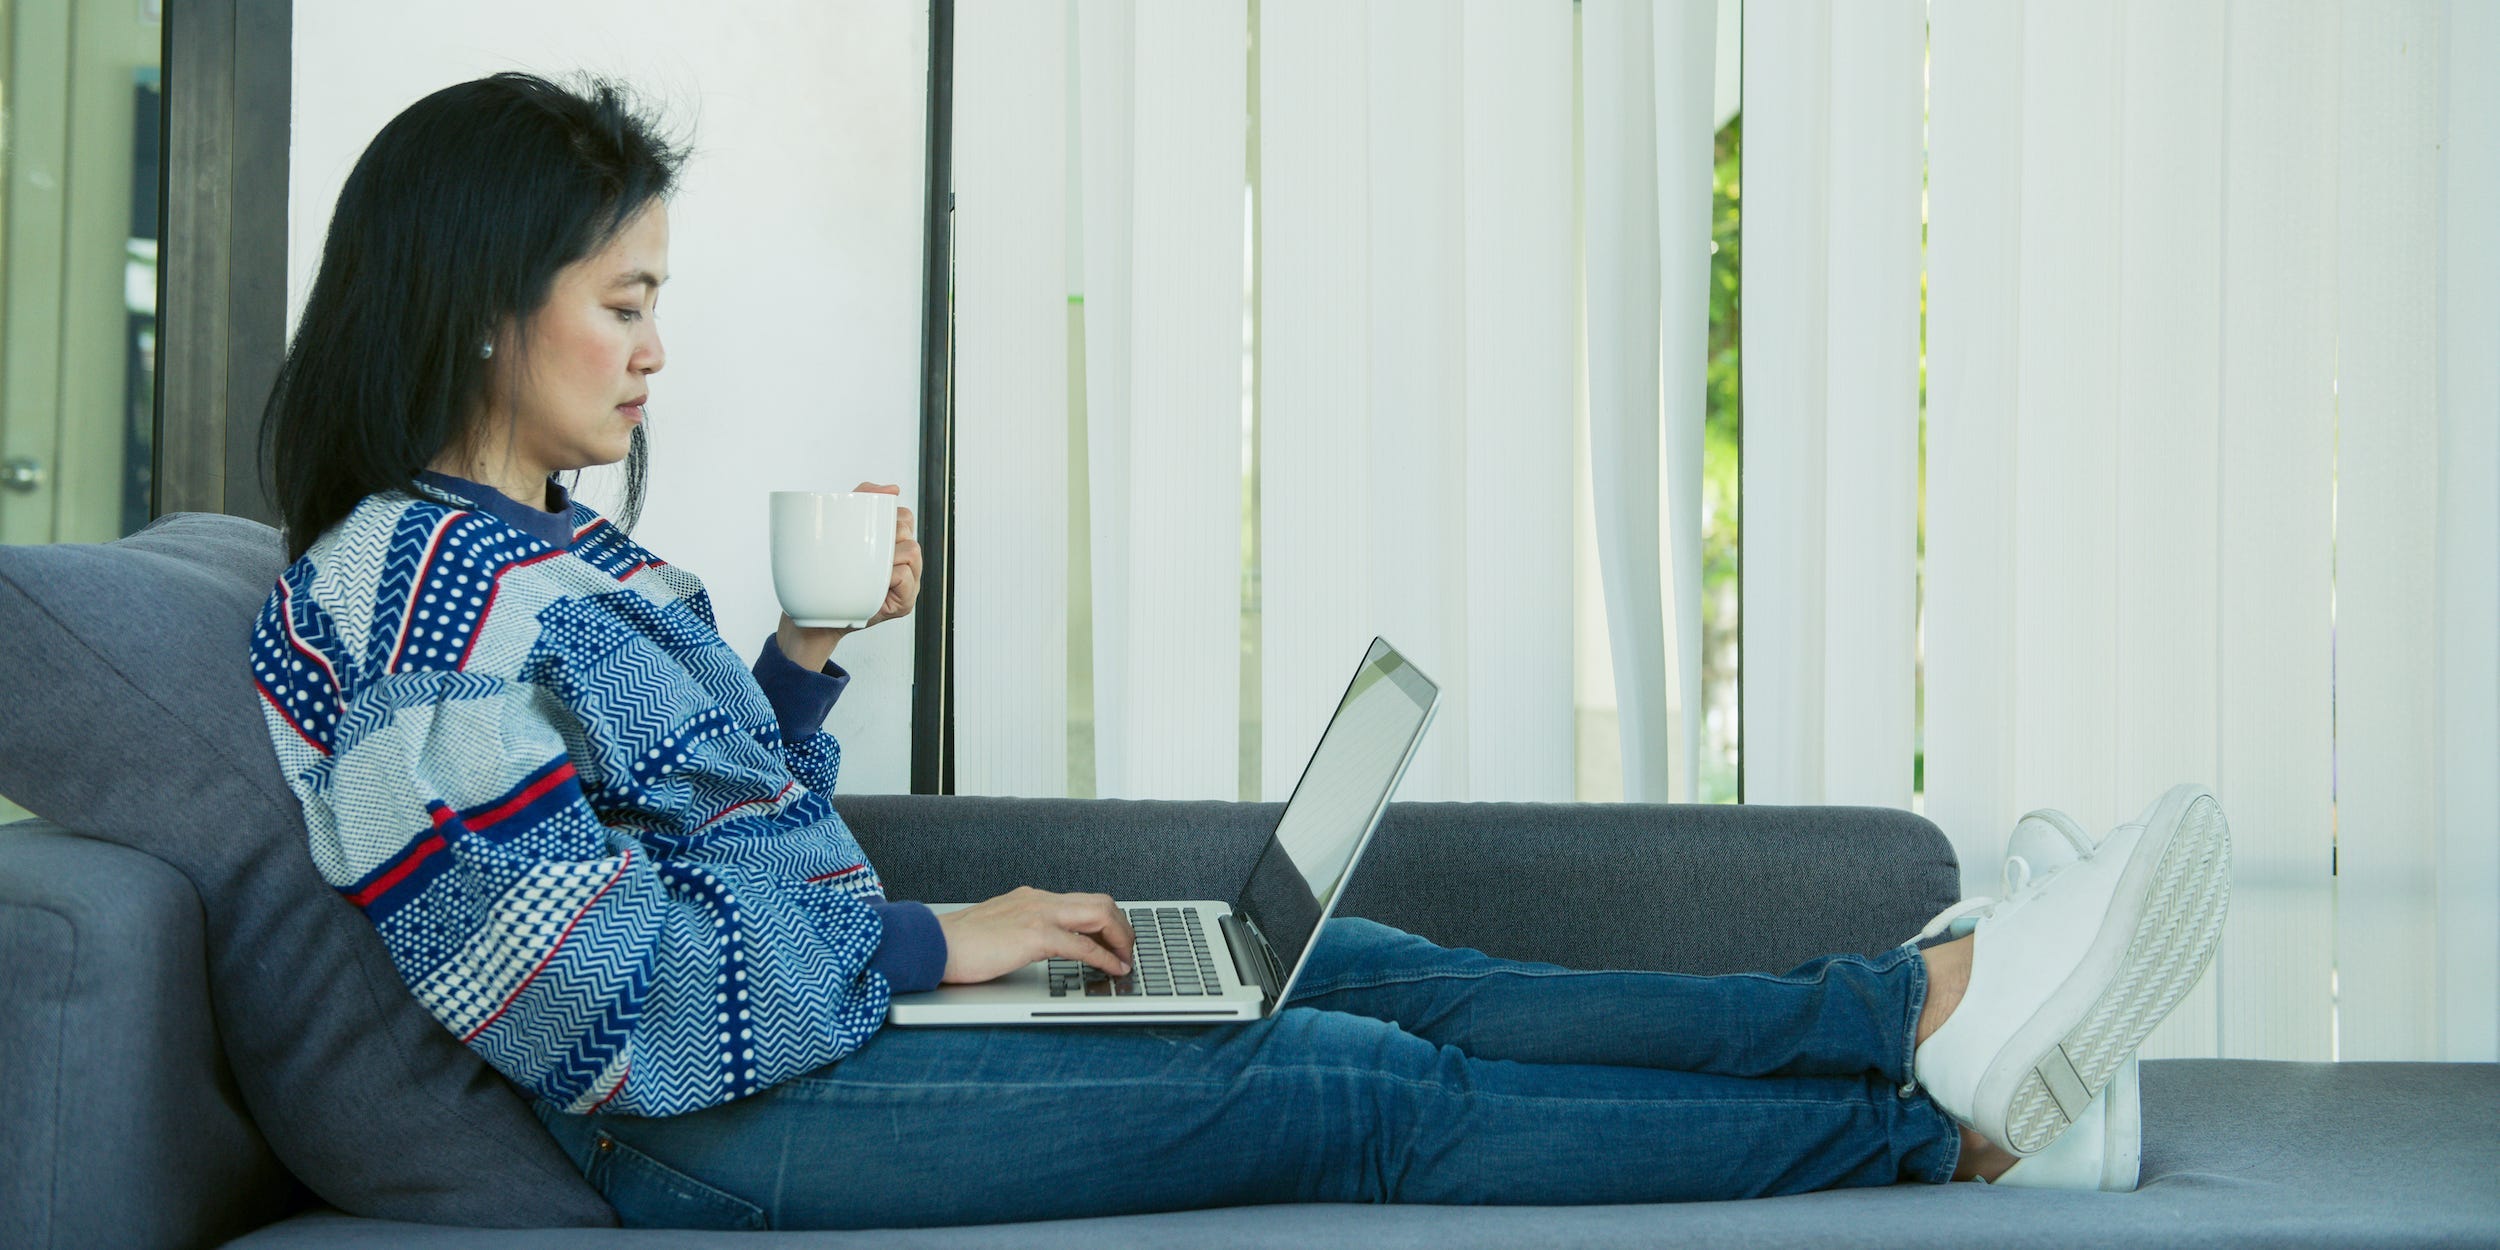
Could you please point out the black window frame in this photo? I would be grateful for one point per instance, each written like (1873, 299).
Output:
(933, 656)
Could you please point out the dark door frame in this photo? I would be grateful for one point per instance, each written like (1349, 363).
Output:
(221, 268)
(933, 657)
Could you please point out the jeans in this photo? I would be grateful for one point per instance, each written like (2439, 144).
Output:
(1398, 1071)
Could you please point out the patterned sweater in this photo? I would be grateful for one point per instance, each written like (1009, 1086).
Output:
(598, 847)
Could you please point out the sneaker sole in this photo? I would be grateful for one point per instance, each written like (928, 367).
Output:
(2056, 1070)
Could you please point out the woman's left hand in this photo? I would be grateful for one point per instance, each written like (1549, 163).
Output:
(810, 646)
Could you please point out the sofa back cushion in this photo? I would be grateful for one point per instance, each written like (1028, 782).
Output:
(1705, 888)
(127, 713)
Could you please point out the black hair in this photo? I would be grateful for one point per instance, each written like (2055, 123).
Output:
(454, 222)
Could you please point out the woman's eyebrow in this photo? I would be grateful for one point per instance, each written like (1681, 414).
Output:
(633, 277)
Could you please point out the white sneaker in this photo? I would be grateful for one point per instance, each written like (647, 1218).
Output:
(2104, 1149)
(2070, 973)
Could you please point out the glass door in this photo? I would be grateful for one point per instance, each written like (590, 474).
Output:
(79, 129)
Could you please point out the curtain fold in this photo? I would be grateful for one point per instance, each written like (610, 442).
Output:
(1176, 528)
(1315, 517)
(2467, 893)
(1011, 393)
(2386, 559)
(1621, 231)
(1974, 282)
(1415, 385)
(1869, 537)
(2274, 771)
(1418, 420)
(1831, 404)
(1516, 370)
(1684, 56)
(2066, 378)
(2166, 719)
(1106, 146)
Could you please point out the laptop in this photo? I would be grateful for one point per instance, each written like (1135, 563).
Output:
(1201, 961)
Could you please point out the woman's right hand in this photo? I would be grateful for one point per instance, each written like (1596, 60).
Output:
(989, 940)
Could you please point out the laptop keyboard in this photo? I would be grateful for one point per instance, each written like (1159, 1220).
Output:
(1173, 961)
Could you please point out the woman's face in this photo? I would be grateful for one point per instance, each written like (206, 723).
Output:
(592, 349)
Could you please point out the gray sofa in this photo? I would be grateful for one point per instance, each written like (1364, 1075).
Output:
(125, 1128)
(201, 1043)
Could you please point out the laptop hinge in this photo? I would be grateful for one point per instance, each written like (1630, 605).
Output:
(1253, 959)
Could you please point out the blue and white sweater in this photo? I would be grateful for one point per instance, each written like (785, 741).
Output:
(597, 845)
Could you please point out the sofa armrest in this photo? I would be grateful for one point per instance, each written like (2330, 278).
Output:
(122, 1123)
(1704, 888)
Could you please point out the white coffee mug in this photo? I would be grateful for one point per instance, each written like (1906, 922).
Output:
(833, 555)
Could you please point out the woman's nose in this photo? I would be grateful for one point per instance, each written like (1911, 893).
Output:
(652, 357)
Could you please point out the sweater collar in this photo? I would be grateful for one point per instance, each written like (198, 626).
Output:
(552, 528)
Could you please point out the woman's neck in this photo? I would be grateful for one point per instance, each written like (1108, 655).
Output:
(521, 484)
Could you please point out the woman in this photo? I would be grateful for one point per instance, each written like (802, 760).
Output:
(600, 851)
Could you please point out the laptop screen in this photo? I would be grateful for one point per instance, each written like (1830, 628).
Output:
(1342, 792)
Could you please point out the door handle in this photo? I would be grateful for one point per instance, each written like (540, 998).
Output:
(23, 474)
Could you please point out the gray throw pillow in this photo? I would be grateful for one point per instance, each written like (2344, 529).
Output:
(127, 713)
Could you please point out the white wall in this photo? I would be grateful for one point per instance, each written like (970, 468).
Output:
(792, 317)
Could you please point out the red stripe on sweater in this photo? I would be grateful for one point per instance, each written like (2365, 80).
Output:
(381, 886)
(562, 774)
(517, 990)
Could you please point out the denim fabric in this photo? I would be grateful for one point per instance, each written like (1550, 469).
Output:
(1399, 1071)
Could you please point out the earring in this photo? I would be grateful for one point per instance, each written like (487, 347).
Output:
(486, 351)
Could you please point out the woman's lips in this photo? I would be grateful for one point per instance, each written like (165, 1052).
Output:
(633, 412)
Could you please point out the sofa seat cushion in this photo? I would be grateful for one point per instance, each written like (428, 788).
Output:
(128, 714)
(2236, 1153)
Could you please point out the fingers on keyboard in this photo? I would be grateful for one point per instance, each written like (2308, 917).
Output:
(1172, 958)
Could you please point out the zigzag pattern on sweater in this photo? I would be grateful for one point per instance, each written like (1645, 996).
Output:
(296, 662)
(565, 806)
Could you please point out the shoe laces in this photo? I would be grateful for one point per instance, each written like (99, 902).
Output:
(2017, 875)
(1961, 918)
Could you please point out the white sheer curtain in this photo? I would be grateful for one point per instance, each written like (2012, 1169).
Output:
(1159, 135)
(1416, 375)
(1011, 401)
(2209, 351)
(1832, 164)
(2203, 504)
(2211, 366)
(2465, 728)
(1646, 92)
(1416, 360)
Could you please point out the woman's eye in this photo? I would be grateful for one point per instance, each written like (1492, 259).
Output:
(628, 314)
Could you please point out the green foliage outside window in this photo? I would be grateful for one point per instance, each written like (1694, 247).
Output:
(1721, 430)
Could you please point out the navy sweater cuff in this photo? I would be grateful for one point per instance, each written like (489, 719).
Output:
(913, 955)
(800, 698)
